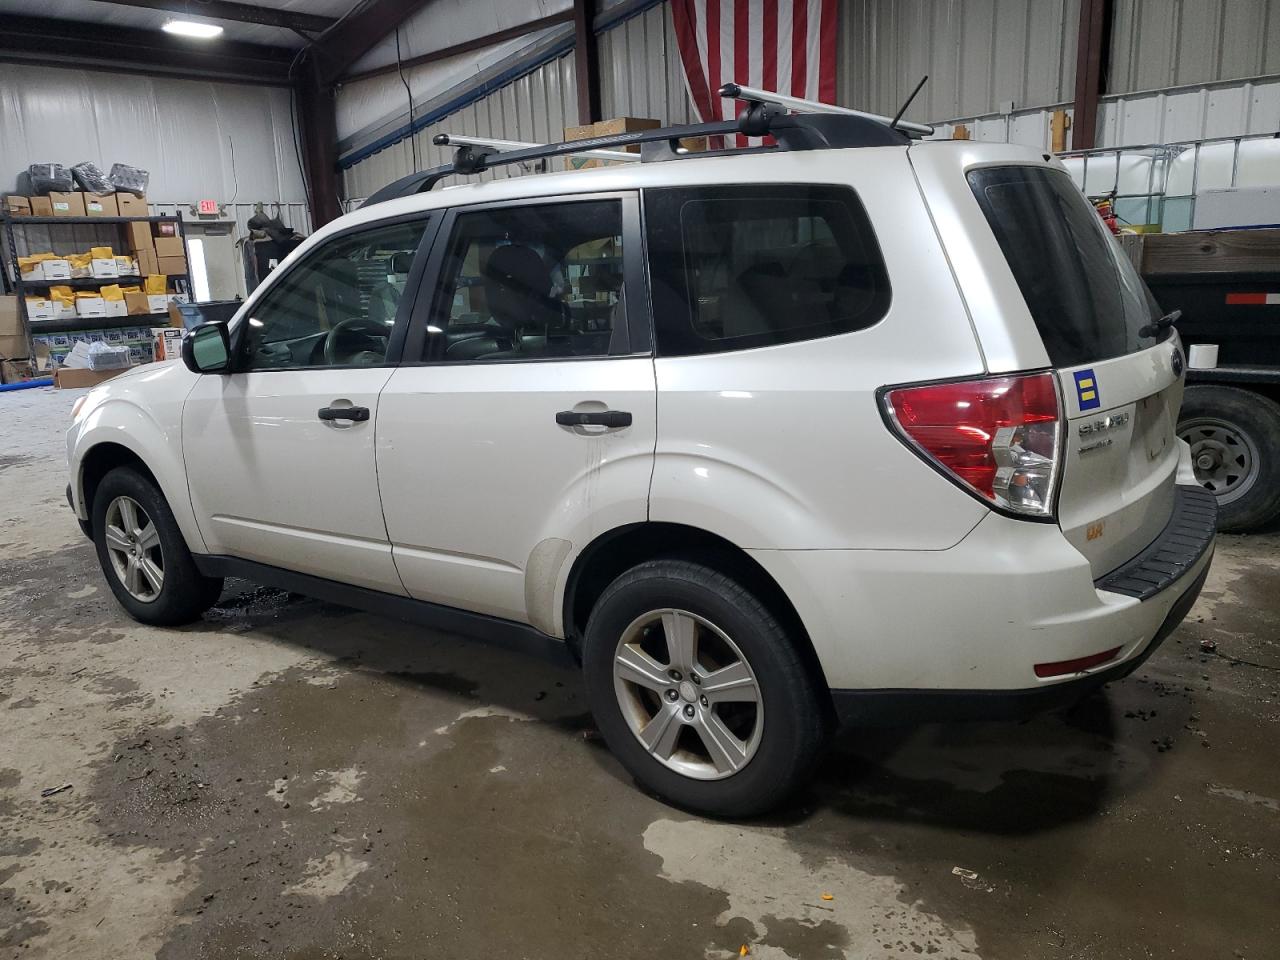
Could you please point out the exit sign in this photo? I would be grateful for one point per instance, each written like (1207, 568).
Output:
(208, 206)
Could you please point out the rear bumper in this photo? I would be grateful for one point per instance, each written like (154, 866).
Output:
(894, 707)
(958, 633)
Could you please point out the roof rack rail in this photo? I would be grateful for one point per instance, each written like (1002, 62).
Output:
(829, 128)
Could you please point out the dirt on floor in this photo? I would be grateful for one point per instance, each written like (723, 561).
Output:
(290, 778)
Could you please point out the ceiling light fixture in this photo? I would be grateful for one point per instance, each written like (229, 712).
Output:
(190, 28)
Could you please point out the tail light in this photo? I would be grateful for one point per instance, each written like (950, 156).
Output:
(998, 437)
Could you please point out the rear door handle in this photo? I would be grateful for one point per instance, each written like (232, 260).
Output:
(605, 418)
(355, 414)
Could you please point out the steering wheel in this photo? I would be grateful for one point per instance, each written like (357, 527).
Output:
(364, 324)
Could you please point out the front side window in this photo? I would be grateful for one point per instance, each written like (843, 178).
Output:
(531, 282)
(751, 266)
(338, 307)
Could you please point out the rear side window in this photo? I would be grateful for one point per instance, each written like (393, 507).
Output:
(1087, 300)
(736, 267)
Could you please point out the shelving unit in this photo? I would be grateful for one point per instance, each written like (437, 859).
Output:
(69, 324)
(9, 263)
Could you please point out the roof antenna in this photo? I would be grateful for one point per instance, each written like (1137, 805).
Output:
(893, 124)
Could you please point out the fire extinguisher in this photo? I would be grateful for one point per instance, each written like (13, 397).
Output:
(1106, 208)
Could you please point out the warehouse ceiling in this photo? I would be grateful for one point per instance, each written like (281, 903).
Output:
(152, 15)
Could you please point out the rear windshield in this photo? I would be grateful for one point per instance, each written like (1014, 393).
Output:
(1087, 300)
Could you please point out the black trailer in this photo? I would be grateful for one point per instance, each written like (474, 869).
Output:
(1227, 285)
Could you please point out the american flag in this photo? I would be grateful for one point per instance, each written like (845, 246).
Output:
(786, 46)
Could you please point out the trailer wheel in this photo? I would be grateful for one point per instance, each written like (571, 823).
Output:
(1234, 436)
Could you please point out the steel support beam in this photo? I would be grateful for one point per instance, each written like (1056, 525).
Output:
(317, 120)
(1092, 50)
(98, 46)
(237, 12)
(586, 61)
(466, 46)
(339, 47)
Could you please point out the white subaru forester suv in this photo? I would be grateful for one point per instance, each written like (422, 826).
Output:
(842, 429)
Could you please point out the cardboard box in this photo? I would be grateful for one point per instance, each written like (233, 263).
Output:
(104, 268)
(605, 128)
(172, 266)
(67, 378)
(116, 308)
(17, 206)
(67, 204)
(131, 206)
(168, 343)
(55, 269)
(10, 317)
(139, 235)
(91, 307)
(41, 207)
(126, 266)
(63, 311)
(39, 308)
(148, 262)
(13, 339)
(13, 347)
(170, 247)
(101, 205)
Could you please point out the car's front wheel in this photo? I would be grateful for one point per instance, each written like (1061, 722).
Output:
(699, 690)
(143, 554)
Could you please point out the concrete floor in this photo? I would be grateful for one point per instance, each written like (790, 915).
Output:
(293, 779)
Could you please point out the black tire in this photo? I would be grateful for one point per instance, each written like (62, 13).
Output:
(185, 593)
(1211, 414)
(795, 727)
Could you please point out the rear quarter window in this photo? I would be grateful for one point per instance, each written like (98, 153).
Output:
(1087, 300)
(735, 267)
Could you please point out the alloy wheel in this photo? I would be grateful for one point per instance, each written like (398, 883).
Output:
(133, 545)
(688, 694)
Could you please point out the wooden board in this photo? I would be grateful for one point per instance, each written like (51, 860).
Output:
(1212, 251)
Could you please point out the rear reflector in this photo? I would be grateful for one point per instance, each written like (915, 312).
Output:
(997, 437)
(1252, 299)
(1078, 665)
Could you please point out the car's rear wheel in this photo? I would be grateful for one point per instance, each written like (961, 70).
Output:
(699, 691)
(143, 554)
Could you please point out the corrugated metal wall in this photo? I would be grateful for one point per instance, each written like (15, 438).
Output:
(1227, 109)
(640, 72)
(536, 106)
(197, 139)
(977, 53)
(1169, 43)
(980, 55)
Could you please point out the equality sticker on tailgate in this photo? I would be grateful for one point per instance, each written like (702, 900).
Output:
(1087, 390)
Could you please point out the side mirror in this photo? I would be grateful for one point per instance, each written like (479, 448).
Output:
(207, 348)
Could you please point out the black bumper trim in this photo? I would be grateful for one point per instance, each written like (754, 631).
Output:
(1181, 544)
(503, 633)
(909, 707)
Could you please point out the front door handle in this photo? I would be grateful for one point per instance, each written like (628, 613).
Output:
(605, 418)
(355, 414)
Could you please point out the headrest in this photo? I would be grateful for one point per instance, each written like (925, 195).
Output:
(519, 267)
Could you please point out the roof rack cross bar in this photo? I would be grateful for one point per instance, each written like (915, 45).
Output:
(466, 140)
(738, 91)
(836, 127)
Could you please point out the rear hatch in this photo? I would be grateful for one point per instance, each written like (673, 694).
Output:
(1120, 382)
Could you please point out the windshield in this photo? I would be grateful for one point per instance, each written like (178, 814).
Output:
(1087, 300)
